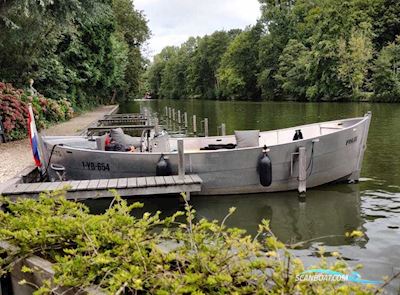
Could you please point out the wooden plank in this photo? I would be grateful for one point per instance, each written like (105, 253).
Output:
(196, 178)
(103, 184)
(74, 185)
(178, 180)
(112, 183)
(151, 181)
(53, 186)
(160, 190)
(26, 188)
(160, 181)
(132, 182)
(169, 180)
(21, 188)
(64, 185)
(83, 185)
(33, 187)
(122, 182)
(10, 190)
(93, 184)
(187, 179)
(141, 182)
(43, 187)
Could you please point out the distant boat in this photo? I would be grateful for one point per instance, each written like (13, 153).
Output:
(148, 96)
(232, 164)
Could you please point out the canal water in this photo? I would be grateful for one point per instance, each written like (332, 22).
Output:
(372, 205)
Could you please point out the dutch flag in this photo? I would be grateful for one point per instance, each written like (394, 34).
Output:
(34, 138)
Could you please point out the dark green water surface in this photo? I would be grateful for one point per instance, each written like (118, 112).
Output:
(372, 205)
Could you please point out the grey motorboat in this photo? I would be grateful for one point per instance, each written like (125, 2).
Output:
(226, 164)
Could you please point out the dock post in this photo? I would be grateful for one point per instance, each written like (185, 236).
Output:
(166, 111)
(223, 129)
(181, 164)
(194, 124)
(185, 119)
(206, 127)
(181, 159)
(169, 113)
(156, 126)
(179, 117)
(173, 114)
(302, 171)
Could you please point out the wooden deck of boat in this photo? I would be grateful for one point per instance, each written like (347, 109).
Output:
(100, 188)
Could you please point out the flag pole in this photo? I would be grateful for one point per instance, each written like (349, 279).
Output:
(40, 146)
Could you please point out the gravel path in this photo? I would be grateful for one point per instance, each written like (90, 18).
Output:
(16, 155)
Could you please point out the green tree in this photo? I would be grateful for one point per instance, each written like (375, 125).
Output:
(293, 72)
(386, 73)
(132, 27)
(156, 70)
(386, 22)
(204, 64)
(354, 60)
(278, 22)
(75, 49)
(239, 66)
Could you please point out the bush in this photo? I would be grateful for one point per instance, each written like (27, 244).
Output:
(122, 254)
(14, 110)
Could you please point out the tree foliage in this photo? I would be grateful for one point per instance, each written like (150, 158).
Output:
(299, 50)
(85, 51)
(386, 73)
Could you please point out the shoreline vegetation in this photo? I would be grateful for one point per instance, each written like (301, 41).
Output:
(80, 54)
(181, 254)
(14, 111)
(324, 50)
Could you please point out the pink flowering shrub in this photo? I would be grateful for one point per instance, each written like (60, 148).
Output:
(14, 110)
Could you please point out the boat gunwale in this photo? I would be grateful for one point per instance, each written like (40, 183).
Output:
(361, 121)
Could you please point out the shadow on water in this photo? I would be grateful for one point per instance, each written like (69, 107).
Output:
(326, 215)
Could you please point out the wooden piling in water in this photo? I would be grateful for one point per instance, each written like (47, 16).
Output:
(194, 124)
(181, 159)
(206, 127)
(223, 129)
(302, 171)
(185, 120)
(179, 117)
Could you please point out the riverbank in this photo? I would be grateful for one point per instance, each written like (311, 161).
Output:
(16, 155)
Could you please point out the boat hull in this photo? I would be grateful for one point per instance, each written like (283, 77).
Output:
(330, 157)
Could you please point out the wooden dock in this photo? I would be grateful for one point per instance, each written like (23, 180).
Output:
(122, 121)
(99, 129)
(100, 188)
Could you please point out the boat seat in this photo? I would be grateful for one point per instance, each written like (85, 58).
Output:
(247, 138)
(120, 137)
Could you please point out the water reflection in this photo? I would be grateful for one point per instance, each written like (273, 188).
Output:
(328, 212)
(326, 215)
